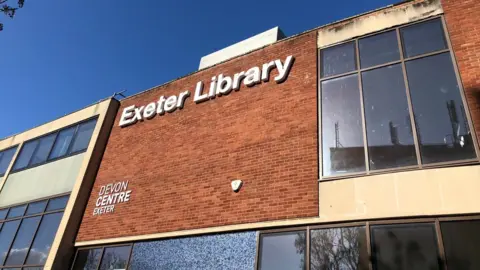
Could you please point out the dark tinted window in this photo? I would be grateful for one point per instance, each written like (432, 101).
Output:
(87, 259)
(338, 59)
(5, 159)
(378, 49)
(25, 155)
(115, 258)
(282, 251)
(389, 130)
(405, 247)
(22, 241)
(17, 211)
(62, 143)
(3, 213)
(57, 203)
(342, 140)
(36, 207)
(461, 240)
(439, 112)
(6, 238)
(82, 138)
(423, 38)
(43, 149)
(339, 248)
(43, 241)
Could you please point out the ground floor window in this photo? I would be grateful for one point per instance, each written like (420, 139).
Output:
(27, 232)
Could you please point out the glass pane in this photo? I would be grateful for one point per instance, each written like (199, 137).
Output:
(36, 207)
(283, 251)
(5, 159)
(115, 258)
(62, 143)
(379, 49)
(82, 138)
(389, 130)
(12, 268)
(25, 155)
(57, 203)
(342, 141)
(32, 268)
(338, 59)
(342, 248)
(17, 211)
(423, 38)
(405, 247)
(43, 149)
(461, 240)
(3, 213)
(43, 241)
(6, 237)
(22, 242)
(87, 259)
(440, 116)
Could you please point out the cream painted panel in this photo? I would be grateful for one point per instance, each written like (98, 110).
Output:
(42, 181)
(443, 191)
(377, 21)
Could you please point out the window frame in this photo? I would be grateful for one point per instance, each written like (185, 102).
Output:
(102, 252)
(435, 221)
(12, 160)
(402, 62)
(25, 216)
(56, 132)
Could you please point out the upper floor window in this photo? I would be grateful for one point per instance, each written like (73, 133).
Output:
(392, 100)
(5, 159)
(62, 143)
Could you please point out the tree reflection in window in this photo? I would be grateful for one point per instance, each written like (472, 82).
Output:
(339, 249)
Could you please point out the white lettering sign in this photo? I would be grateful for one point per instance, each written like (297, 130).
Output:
(110, 195)
(220, 85)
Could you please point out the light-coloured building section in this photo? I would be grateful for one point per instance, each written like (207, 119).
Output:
(377, 21)
(263, 39)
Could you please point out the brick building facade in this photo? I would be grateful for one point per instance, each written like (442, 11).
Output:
(367, 145)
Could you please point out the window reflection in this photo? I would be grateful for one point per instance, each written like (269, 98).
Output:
(423, 38)
(342, 139)
(440, 117)
(19, 249)
(378, 49)
(283, 251)
(389, 130)
(115, 258)
(87, 259)
(6, 238)
(338, 59)
(5, 159)
(461, 240)
(43, 241)
(405, 247)
(339, 249)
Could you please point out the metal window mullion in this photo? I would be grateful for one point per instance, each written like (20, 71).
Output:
(307, 249)
(33, 239)
(409, 102)
(369, 245)
(74, 137)
(129, 257)
(441, 248)
(101, 258)
(11, 244)
(426, 55)
(466, 107)
(53, 145)
(362, 107)
(319, 115)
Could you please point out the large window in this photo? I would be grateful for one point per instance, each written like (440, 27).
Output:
(392, 101)
(62, 143)
(5, 159)
(27, 232)
(105, 258)
(429, 244)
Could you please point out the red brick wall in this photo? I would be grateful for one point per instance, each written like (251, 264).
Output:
(180, 165)
(463, 23)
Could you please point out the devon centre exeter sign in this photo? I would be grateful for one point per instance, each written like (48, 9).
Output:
(110, 195)
(219, 86)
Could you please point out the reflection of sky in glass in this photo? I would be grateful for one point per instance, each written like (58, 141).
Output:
(340, 104)
(43, 241)
(423, 38)
(6, 237)
(235, 251)
(24, 237)
(338, 59)
(279, 252)
(378, 49)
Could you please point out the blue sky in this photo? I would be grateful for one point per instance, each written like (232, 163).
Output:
(59, 56)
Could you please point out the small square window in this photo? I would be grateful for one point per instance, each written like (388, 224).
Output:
(57, 203)
(338, 59)
(423, 38)
(379, 49)
(17, 211)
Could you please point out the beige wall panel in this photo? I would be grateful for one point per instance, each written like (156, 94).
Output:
(43, 181)
(416, 193)
(377, 21)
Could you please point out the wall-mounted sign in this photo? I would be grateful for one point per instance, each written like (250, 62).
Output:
(219, 86)
(110, 195)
